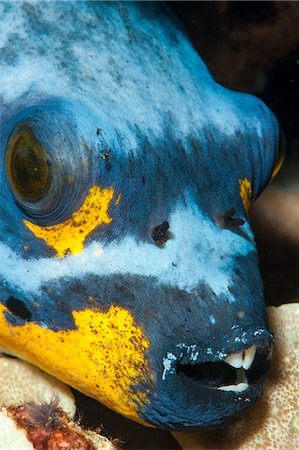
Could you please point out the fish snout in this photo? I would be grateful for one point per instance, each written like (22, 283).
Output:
(209, 384)
(224, 370)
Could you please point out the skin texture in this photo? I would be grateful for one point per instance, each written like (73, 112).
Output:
(136, 133)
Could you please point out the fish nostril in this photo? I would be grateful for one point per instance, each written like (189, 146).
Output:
(229, 221)
(18, 308)
(160, 234)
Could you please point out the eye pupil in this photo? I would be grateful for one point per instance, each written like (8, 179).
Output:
(28, 166)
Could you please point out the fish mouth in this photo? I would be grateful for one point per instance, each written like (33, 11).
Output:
(235, 373)
(199, 390)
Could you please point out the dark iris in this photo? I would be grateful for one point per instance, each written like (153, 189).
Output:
(28, 166)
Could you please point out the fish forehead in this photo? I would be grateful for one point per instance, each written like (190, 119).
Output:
(109, 69)
(146, 97)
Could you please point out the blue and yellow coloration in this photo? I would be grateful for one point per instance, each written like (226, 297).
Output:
(110, 125)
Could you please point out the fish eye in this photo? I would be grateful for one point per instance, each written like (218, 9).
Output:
(41, 159)
(28, 166)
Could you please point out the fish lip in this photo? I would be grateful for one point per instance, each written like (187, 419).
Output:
(172, 364)
(184, 402)
(195, 353)
(205, 368)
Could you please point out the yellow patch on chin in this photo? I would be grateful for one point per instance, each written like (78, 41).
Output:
(69, 236)
(246, 193)
(104, 357)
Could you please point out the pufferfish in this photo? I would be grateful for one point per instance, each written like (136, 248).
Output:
(128, 266)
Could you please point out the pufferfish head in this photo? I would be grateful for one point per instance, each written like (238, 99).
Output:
(133, 276)
(128, 267)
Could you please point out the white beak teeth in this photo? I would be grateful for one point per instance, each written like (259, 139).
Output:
(234, 387)
(249, 355)
(242, 359)
(235, 360)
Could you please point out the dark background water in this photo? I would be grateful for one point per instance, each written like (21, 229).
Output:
(253, 47)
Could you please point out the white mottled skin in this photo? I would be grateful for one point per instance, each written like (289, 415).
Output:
(128, 83)
(206, 254)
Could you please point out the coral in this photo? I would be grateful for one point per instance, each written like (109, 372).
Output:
(48, 427)
(22, 383)
(11, 434)
(38, 410)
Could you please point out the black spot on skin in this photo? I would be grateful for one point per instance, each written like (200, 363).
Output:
(160, 233)
(233, 224)
(105, 155)
(18, 308)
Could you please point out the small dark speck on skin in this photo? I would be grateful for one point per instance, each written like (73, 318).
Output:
(159, 233)
(105, 155)
(230, 289)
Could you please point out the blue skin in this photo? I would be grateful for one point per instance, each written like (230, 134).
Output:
(179, 144)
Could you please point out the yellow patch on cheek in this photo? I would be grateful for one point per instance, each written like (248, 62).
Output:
(246, 193)
(69, 236)
(104, 356)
